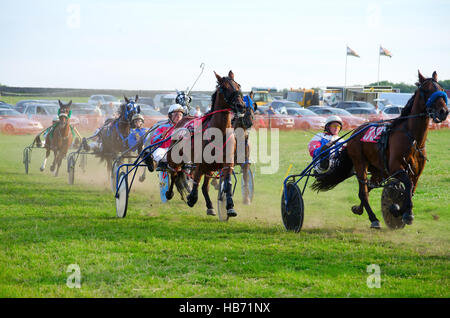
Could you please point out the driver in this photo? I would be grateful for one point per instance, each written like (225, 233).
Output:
(324, 140)
(137, 133)
(175, 114)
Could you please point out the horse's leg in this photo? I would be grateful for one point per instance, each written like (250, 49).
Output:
(142, 177)
(361, 173)
(58, 161)
(205, 191)
(407, 216)
(193, 196)
(47, 154)
(169, 193)
(228, 188)
(55, 154)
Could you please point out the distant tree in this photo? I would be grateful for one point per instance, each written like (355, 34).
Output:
(445, 84)
(404, 88)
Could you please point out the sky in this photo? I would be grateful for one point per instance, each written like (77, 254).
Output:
(160, 45)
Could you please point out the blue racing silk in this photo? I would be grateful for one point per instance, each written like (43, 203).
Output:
(135, 136)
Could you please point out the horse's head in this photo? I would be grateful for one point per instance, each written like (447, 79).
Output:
(64, 112)
(231, 92)
(434, 96)
(129, 109)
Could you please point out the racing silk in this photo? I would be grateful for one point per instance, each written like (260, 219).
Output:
(135, 136)
(318, 141)
(162, 132)
(248, 102)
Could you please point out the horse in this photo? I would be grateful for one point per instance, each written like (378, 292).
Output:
(403, 158)
(113, 135)
(226, 99)
(59, 138)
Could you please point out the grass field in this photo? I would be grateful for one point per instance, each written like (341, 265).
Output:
(171, 250)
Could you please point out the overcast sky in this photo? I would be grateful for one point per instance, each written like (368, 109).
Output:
(161, 44)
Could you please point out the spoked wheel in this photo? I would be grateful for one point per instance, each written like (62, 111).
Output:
(222, 201)
(115, 166)
(247, 188)
(27, 159)
(392, 203)
(164, 183)
(122, 196)
(71, 169)
(292, 211)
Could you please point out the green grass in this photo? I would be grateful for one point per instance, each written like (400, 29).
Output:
(171, 250)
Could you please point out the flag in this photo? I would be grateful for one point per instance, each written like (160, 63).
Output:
(351, 52)
(385, 52)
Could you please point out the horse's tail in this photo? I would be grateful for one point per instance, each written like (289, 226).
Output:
(341, 171)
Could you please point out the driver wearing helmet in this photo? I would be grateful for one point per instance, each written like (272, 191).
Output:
(324, 140)
(137, 133)
(175, 114)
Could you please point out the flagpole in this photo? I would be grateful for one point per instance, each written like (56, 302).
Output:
(345, 81)
(379, 58)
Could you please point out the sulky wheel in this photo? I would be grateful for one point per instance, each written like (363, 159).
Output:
(115, 167)
(164, 184)
(292, 211)
(222, 201)
(26, 159)
(71, 169)
(122, 196)
(247, 186)
(392, 202)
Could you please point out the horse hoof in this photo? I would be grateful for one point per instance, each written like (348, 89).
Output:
(408, 218)
(231, 213)
(42, 169)
(191, 201)
(169, 195)
(356, 209)
(211, 212)
(375, 225)
(141, 179)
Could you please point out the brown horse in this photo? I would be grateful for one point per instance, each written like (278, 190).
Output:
(227, 98)
(404, 157)
(59, 138)
(114, 133)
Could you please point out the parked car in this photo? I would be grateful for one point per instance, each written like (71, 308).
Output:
(353, 104)
(367, 113)
(20, 105)
(283, 104)
(151, 116)
(390, 112)
(13, 122)
(4, 105)
(277, 120)
(349, 121)
(305, 119)
(44, 113)
(146, 100)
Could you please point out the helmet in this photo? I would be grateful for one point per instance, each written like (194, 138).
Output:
(332, 119)
(175, 108)
(137, 116)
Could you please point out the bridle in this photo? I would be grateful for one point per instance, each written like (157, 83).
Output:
(432, 97)
(231, 98)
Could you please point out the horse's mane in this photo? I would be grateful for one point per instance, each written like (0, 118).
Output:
(406, 110)
(213, 100)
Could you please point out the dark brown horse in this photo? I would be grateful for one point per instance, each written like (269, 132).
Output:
(114, 133)
(405, 156)
(226, 99)
(59, 138)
